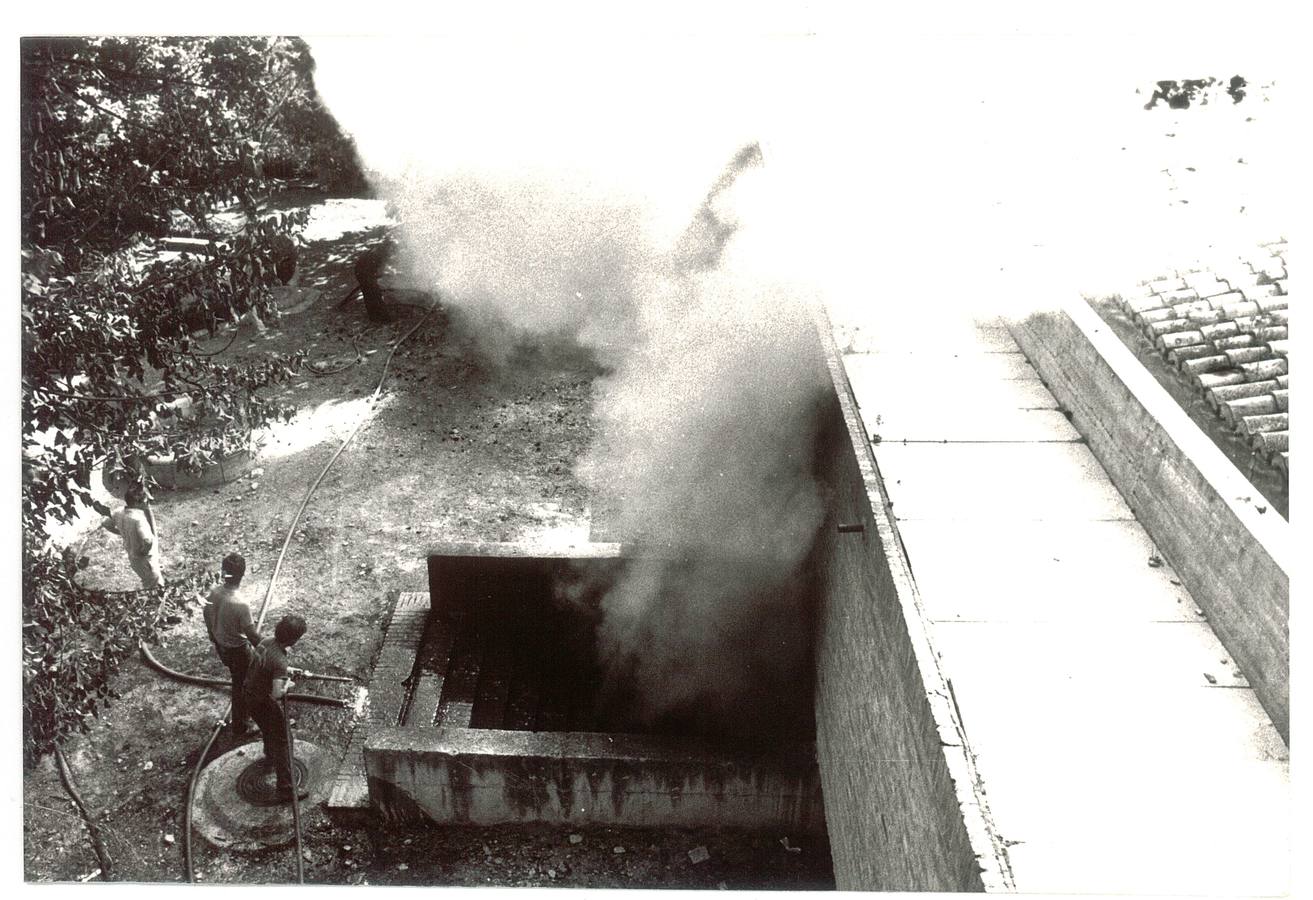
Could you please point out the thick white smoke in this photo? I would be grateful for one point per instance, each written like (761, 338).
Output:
(634, 215)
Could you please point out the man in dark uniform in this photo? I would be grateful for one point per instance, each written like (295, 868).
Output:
(228, 620)
(267, 682)
(284, 252)
(369, 266)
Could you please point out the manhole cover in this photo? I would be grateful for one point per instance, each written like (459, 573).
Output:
(258, 786)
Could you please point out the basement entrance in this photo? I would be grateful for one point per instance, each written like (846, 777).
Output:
(505, 714)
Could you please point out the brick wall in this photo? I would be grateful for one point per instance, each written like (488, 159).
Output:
(899, 798)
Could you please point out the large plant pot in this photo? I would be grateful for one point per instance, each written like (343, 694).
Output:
(165, 472)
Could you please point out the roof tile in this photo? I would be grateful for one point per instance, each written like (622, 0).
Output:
(1166, 285)
(1222, 300)
(1160, 314)
(1235, 410)
(1210, 379)
(1219, 395)
(1226, 328)
(1183, 310)
(1231, 343)
(1263, 423)
(1264, 369)
(1206, 284)
(1273, 441)
(1166, 326)
(1278, 301)
(1271, 332)
(1241, 355)
(1206, 317)
(1138, 303)
(1235, 310)
(1252, 289)
(1210, 367)
(1182, 296)
(1219, 330)
(1179, 339)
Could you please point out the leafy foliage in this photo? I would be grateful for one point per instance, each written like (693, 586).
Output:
(75, 640)
(123, 139)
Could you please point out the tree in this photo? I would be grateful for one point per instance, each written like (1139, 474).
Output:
(120, 140)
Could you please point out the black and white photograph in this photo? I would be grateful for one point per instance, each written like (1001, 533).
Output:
(796, 447)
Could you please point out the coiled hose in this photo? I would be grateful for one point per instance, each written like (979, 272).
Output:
(264, 607)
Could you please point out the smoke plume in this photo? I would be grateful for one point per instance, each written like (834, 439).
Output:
(704, 462)
(704, 421)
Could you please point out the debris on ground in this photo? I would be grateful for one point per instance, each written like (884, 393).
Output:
(698, 855)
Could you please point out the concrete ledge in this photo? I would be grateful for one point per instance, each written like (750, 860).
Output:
(487, 777)
(387, 700)
(518, 550)
(1229, 549)
(903, 806)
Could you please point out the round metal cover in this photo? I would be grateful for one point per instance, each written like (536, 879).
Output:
(258, 785)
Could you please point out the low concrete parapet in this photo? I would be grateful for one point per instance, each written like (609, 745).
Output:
(1229, 549)
(491, 777)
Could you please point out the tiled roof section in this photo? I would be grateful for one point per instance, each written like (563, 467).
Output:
(1226, 329)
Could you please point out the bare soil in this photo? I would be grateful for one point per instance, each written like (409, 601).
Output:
(455, 449)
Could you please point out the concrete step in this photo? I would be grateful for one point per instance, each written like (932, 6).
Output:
(461, 686)
(387, 700)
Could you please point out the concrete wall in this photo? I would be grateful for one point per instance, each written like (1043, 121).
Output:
(1212, 526)
(487, 777)
(900, 801)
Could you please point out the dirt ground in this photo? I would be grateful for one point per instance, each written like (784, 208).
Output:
(453, 450)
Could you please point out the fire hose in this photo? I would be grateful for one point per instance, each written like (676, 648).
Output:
(205, 681)
(264, 606)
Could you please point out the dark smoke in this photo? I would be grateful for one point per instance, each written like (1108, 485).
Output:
(704, 463)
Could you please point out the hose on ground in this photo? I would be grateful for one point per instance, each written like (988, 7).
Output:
(191, 793)
(296, 803)
(264, 608)
(359, 358)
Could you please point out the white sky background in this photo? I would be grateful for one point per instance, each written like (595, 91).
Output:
(910, 160)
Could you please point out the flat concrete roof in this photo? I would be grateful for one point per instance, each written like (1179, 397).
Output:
(1119, 746)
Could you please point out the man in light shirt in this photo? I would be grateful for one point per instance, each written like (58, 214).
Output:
(136, 525)
(228, 621)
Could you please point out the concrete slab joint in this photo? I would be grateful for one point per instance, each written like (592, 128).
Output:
(1212, 527)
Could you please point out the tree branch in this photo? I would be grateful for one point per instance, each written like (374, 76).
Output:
(93, 830)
